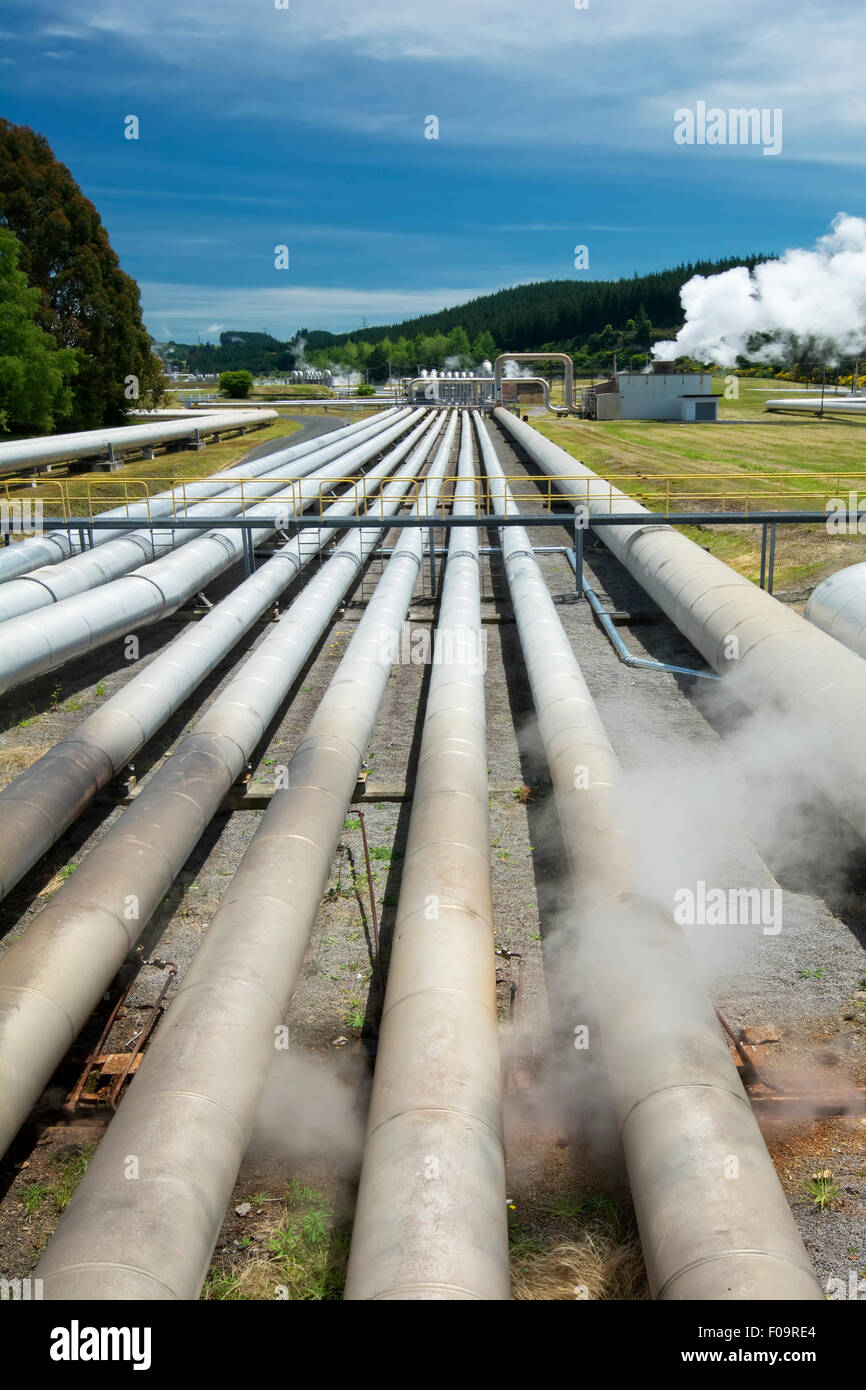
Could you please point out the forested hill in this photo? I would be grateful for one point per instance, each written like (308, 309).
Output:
(564, 313)
(590, 319)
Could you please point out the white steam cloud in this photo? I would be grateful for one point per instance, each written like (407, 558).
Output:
(806, 301)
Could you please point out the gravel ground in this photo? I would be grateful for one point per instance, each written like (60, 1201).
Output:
(677, 742)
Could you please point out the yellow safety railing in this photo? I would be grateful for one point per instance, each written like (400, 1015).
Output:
(65, 499)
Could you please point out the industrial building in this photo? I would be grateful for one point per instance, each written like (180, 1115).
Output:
(660, 394)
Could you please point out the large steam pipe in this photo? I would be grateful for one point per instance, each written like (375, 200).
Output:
(430, 1219)
(38, 643)
(47, 797)
(189, 1113)
(568, 372)
(49, 549)
(22, 454)
(57, 581)
(780, 663)
(830, 405)
(713, 1218)
(54, 974)
(838, 607)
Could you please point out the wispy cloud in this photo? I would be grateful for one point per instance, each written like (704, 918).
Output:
(283, 310)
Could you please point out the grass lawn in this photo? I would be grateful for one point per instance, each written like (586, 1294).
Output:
(159, 473)
(735, 465)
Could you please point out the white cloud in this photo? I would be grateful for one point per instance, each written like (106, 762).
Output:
(192, 308)
(612, 74)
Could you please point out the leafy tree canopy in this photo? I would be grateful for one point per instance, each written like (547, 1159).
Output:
(86, 301)
(34, 373)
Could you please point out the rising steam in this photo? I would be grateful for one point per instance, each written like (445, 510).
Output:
(810, 303)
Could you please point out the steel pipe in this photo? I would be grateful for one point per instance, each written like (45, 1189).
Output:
(54, 974)
(831, 405)
(189, 1113)
(713, 1218)
(89, 570)
(47, 797)
(21, 454)
(838, 607)
(34, 644)
(430, 1219)
(775, 660)
(568, 376)
(50, 549)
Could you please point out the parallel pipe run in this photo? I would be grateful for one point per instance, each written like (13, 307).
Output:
(52, 583)
(189, 1113)
(778, 662)
(47, 797)
(50, 548)
(713, 1218)
(838, 607)
(54, 974)
(430, 1219)
(21, 454)
(34, 644)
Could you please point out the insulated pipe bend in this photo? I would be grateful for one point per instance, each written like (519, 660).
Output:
(704, 1188)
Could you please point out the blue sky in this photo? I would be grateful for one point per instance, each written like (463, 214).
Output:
(305, 126)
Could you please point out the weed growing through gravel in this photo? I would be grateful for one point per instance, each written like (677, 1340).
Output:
(306, 1256)
(60, 1192)
(823, 1188)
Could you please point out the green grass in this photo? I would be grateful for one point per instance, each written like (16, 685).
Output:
(354, 1015)
(305, 1256)
(71, 1169)
(661, 463)
(182, 465)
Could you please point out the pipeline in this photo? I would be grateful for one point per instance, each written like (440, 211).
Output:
(38, 643)
(831, 405)
(22, 454)
(430, 1219)
(778, 662)
(52, 583)
(838, 607)
(52, 977)
(189, 1113)
(568, 376)
(707, 1232)
(51, 548)
(48, 796)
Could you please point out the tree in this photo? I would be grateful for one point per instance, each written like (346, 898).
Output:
(458, 346)
(34, 372)
(377, 364)
(236, 384)
(86, 301)
(484, 348)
